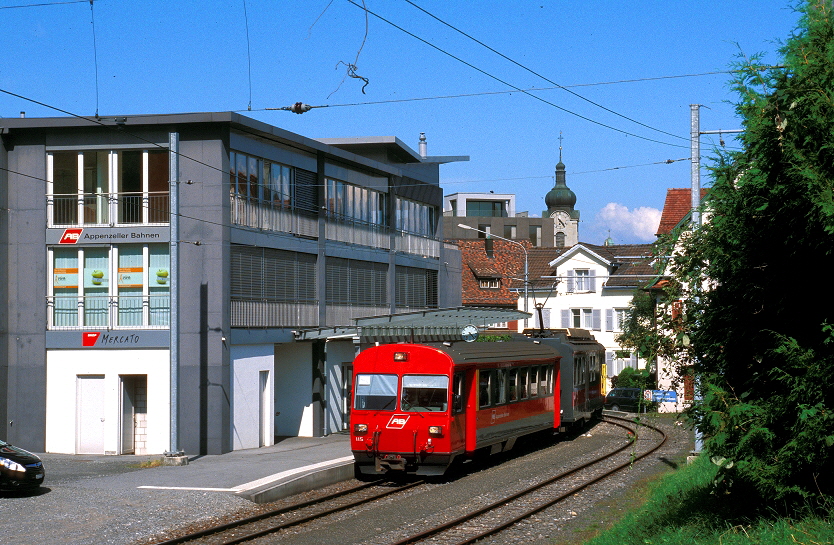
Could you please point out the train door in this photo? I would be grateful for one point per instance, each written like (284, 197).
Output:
(457, 433)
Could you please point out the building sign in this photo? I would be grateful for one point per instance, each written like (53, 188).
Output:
(109, 339)
(108, 235)
(70, 236)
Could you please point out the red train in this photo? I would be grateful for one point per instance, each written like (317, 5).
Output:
(417, 408)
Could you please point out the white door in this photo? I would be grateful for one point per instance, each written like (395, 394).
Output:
(89, 422)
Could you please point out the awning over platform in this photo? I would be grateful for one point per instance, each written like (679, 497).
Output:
(419, 326)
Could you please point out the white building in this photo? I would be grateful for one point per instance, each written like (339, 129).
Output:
(589, 287)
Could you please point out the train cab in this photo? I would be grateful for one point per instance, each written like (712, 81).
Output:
(418, 407)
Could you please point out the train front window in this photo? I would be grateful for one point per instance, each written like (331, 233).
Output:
(425, 393)
(376, 392)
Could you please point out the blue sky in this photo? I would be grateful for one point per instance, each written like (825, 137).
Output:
(637, 67)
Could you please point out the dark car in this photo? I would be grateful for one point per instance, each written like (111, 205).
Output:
(623, 399)
(19, 469)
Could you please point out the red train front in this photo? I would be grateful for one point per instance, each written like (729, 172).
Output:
(416, 408)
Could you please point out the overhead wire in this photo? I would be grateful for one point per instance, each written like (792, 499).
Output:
(530, 70)
(45, 4)
(95, 50)
(508, 84)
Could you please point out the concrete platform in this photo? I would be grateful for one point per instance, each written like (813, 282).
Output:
(293, 465)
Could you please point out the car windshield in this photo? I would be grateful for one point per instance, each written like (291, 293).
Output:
(376, 392)
(423, 393)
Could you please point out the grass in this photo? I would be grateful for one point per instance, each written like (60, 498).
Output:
(680, 509)
(153, 462)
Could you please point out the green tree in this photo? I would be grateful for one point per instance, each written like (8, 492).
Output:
(762, 338)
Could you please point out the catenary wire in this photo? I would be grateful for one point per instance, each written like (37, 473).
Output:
(530, 70)
(519, 89)
(46, 4)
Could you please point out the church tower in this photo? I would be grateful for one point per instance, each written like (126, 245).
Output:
(560, 203)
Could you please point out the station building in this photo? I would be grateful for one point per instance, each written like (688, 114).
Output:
(277, 233)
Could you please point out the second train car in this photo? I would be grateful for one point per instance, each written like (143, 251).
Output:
(418, 407)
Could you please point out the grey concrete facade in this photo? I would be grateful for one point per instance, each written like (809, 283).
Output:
(207, 232)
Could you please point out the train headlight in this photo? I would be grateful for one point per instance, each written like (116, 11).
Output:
(360, 428)
(436, 431)
(400, 356)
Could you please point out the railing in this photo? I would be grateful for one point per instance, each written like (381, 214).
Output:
(109, 209)
(361, 233)
(264, 314)
(276, 217)
(108, 311)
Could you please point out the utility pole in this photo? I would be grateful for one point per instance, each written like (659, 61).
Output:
(174, 456)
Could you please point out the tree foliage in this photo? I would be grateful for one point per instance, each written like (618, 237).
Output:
(762, 339)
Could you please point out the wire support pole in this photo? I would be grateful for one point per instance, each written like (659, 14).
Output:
(174, 169)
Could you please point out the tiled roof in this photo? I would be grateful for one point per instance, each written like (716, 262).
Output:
(677, 206)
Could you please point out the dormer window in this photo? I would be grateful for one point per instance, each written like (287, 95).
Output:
(489, 283)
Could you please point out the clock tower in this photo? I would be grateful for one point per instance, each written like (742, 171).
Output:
(560, 203)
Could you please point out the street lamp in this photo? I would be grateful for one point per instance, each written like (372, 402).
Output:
(526, 270)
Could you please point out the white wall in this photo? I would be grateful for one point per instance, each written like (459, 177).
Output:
(62, 369)
(294, 389)
(247, 362)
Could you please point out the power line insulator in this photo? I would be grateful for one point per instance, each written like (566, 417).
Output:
(300, 108)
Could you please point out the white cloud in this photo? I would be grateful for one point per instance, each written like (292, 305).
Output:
(640, 223)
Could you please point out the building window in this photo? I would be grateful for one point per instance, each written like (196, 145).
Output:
(494, 209)
(559, 240)
(120, 286)
(489, 283)
(414, 217)
(535, 235)
(355, 203)
(510, 232)
(584, 318)
(581, 280)
(108, 187)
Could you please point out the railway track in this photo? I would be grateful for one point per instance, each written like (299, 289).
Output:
(510, 510)
(475, 525)
(244, 530)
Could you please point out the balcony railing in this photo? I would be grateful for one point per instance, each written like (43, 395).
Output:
(108, 311)
(277, 217)
(109, 209)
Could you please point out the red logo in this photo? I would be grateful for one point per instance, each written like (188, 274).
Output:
(70, 236)
(398, 421)
(89, 338)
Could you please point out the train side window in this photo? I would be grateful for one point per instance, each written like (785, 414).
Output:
(484, 389)
(550, 384)
(512, 385)
(534, 381)
(375, 392)
(522, 382)
(543, 389)
(499, 391)
(457, 393)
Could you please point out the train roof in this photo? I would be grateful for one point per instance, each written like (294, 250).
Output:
(518, 349)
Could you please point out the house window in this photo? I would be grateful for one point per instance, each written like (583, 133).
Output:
(480, 209)
(510, 232)
(582, 318)
(411, 216)
(619, 318)
(108, 187)
(581, 280)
